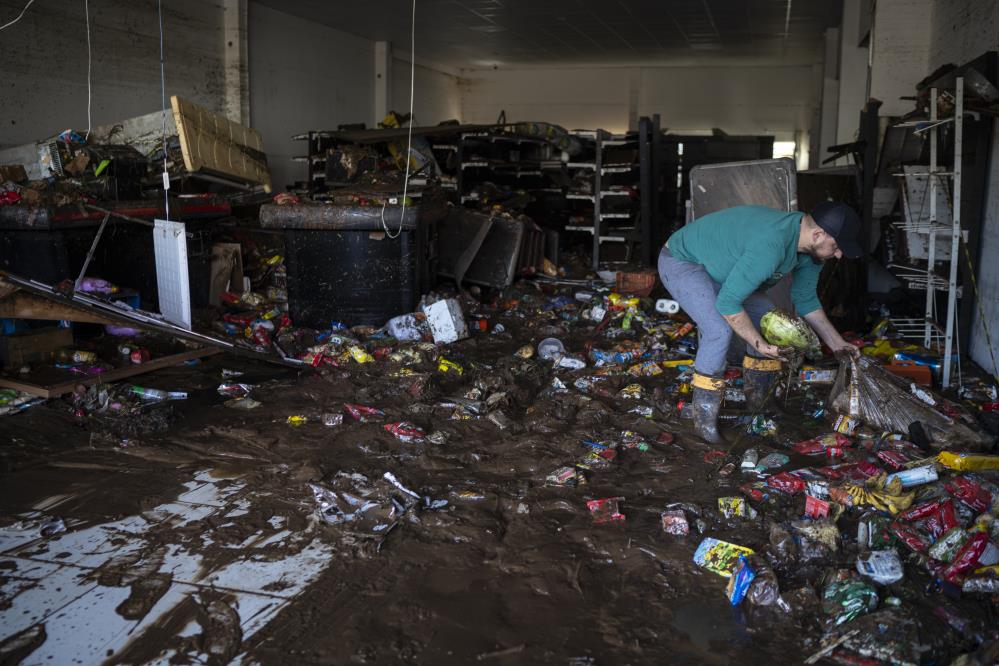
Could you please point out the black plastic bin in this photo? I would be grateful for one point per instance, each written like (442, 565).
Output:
(343, 267)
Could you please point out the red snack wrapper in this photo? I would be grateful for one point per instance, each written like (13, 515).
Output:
(893, 459)
(816, 508)
(942, 519)
(967, 558)
(606, 510)
(751, 491)
(405, 431)
(241, 318)
(787, 483)
(970, 493)
(910, 536)
(362, 413)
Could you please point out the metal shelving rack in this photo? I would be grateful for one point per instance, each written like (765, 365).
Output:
(929, 279)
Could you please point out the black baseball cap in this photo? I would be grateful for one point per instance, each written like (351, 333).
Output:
(842, 223)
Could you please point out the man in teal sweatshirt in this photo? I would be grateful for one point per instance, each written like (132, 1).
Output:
(718, 268)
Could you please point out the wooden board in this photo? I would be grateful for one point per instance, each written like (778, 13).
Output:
(213, 144)
(63, 388)
(30, 306)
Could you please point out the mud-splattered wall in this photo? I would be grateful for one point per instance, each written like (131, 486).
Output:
(43, 62)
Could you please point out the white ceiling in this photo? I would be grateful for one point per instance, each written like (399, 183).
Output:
(481, 33)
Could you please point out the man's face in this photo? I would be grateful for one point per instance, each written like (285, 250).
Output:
(824, 246)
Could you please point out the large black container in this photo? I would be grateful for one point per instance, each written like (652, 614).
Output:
(343, 267)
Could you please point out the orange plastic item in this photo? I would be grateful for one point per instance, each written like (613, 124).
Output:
(919, 374)
(639, 283)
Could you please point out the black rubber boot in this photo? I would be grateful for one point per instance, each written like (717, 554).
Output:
(758, 386)
(707, 402)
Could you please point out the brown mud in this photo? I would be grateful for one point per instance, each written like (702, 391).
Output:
(512, 571)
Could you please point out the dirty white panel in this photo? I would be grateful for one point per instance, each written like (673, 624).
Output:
(172, 279)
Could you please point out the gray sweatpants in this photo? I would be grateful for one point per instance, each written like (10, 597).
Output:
(695, 291)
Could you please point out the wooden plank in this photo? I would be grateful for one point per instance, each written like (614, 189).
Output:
(212, 143)
(30, 306)
(56, 390)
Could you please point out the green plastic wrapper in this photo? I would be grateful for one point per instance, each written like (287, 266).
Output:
(845, 600)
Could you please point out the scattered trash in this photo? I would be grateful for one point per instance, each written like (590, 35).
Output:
(719, 556)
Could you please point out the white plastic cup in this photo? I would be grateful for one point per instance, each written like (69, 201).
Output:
(549, 348)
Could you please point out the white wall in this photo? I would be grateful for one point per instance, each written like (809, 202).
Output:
(963, 30)
(43, 63)
(852, 74)
(777, 100)
(900, 56)
(437, 94)
(304, 76)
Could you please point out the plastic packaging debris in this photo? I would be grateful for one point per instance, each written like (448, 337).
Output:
(986, 585)
(332, 419)
(157, 394)
(444, 365)
(736, 506)
(882, 566)
(550, 348)
(970, 493)
(233, 390)
(749, 460)
(242, 403)
(967, 462)
(719, 556)
(866, 390)
(446, 321)
(740, 580)
(845, 600)
(406, 328)
(771, 461)
(406, 432)
(762, 425)
(816, 376)
(297, 420)
(362, 413)
(915, 476)
(675, 522)
(606, 510)
(816, 508)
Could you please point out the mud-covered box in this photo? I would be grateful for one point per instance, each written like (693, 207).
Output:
(343, 266)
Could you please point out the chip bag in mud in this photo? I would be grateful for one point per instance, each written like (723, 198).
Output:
(606, 510)
(719, 556)
(362, 413)
(405, 431)
(740, 580)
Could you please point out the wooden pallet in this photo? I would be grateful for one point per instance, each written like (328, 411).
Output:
(66, 387)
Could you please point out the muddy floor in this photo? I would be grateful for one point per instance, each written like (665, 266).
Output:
(199, 538)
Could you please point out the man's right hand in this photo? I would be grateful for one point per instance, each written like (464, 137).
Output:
(768, 350)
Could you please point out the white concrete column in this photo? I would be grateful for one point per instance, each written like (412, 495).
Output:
(237, 72)
(829, 114)
(383, 81)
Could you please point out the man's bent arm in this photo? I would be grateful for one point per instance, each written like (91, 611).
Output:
(743, 327)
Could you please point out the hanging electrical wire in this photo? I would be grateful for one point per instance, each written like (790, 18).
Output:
(10, 23)
(409, 139)
(166, 175)
(86, 10)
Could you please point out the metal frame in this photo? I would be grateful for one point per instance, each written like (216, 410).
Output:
(931, 281)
